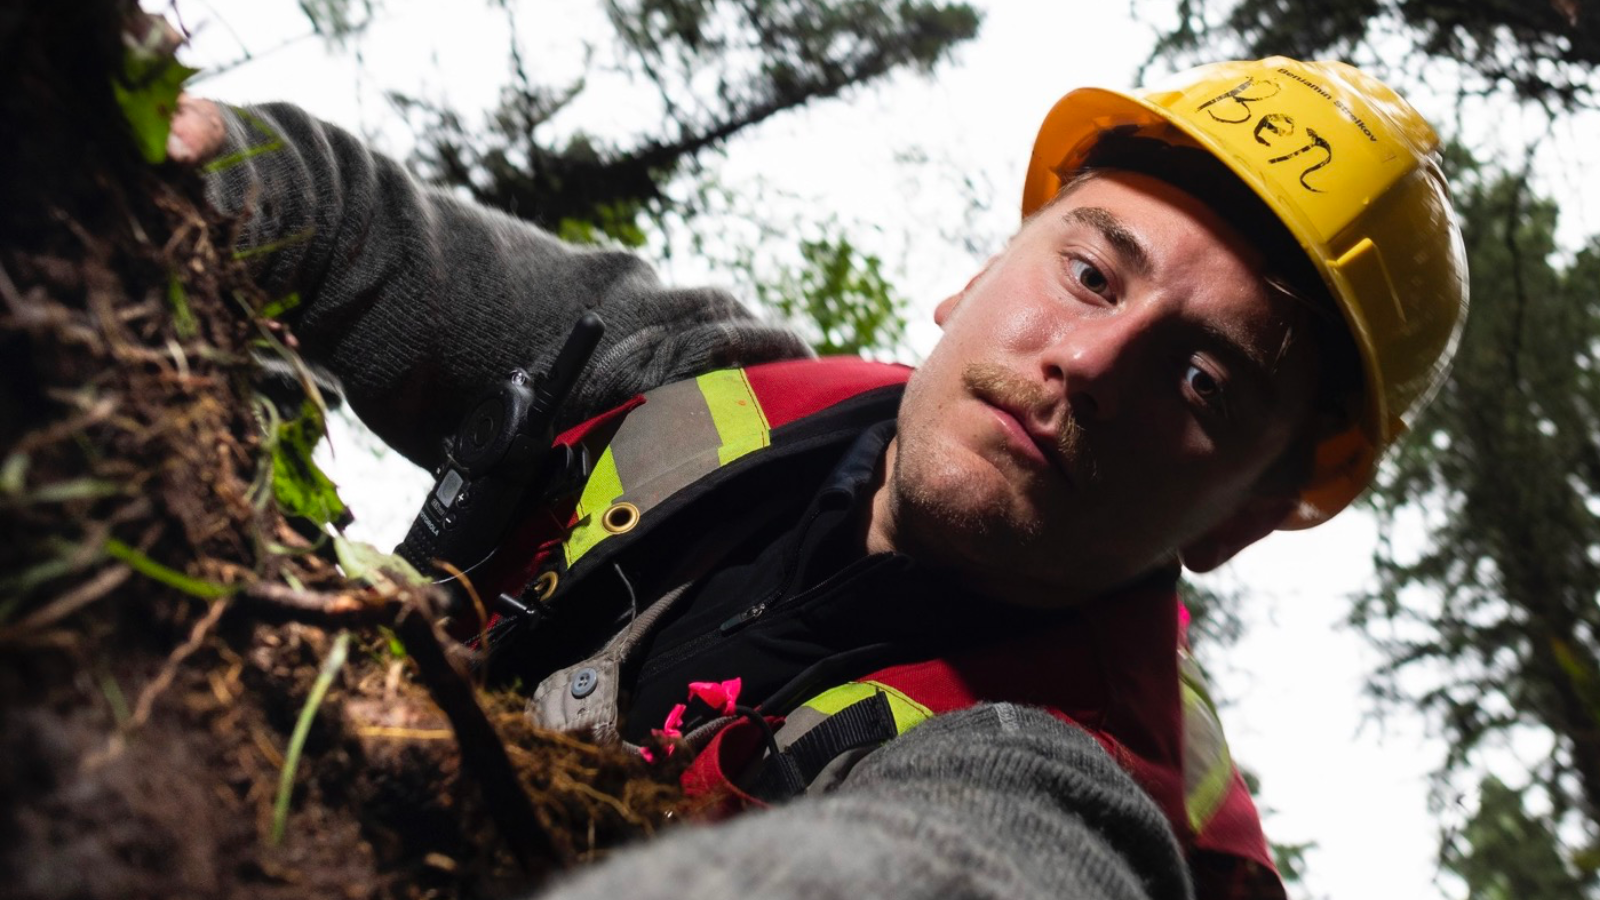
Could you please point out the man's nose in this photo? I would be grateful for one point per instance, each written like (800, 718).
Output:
(1089, 362)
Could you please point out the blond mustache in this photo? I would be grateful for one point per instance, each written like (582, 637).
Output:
(1000, 386)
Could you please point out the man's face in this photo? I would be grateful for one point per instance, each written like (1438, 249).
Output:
(1108, 393)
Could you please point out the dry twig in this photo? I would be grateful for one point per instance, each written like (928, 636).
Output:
(84, 594)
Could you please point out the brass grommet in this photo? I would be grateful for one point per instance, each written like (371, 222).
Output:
(620, 518)
(545, 585)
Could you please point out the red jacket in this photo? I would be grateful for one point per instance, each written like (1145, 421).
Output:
(1118, 670)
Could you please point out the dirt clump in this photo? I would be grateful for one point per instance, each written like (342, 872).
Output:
(167, 637)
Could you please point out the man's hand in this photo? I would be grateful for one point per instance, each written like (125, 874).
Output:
(197, 131)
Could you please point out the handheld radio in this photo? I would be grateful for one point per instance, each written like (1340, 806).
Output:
(499, 450)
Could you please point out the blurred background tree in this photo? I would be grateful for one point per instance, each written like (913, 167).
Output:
(1506, 854)
(717, 67)
(1500, 607)
(1492, 628)
(1541, 51)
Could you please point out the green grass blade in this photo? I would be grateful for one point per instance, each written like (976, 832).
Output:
(172, 578)
(308, 713)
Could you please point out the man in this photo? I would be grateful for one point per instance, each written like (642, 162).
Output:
(1226, 298)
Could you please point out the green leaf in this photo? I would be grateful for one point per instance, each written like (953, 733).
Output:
(397, 647)
(577, 231)
(280, 306)
(616, 221)
(76, 489)
(148, 94)
(14, 473)
(172, 578)
(182, 315)
(115, 699)
(364, 562)
(270, 142)
(839, 296)
(300, 487)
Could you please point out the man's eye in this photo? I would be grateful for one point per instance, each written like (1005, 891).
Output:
(1203, 385)
(1086, 274)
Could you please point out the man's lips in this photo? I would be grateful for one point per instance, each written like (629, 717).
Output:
(1019, 406)
(1038, 447)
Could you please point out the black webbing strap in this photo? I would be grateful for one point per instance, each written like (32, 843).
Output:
(864, 723)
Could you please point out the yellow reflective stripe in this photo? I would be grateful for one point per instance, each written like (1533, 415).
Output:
(741, 428)
(741, 425)
(908, 713)
(1200, 723)
(835, 699)
(602, 490)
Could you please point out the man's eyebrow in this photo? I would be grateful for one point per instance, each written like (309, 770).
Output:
(1239, 346)
(1260, 367)
(1127, 244)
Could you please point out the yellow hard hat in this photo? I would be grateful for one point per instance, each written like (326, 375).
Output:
(1352, 171)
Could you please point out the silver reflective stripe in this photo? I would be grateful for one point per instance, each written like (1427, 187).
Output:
(683, 432)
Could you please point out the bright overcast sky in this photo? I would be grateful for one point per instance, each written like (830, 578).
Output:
(1298, 718)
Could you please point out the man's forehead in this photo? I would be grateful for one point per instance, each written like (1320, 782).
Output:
(1148, 210)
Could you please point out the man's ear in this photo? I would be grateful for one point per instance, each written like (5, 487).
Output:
(1258, 517)
(947, 306)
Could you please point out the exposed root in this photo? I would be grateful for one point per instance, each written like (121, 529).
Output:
(169, 671)
(346, 609)
(67, 604)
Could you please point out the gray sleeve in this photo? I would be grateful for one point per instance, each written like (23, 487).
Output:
(998, 802)
(416, 301)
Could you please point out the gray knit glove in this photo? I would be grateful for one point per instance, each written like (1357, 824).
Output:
(999, 801)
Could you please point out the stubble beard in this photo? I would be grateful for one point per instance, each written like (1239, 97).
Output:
(932, 491)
